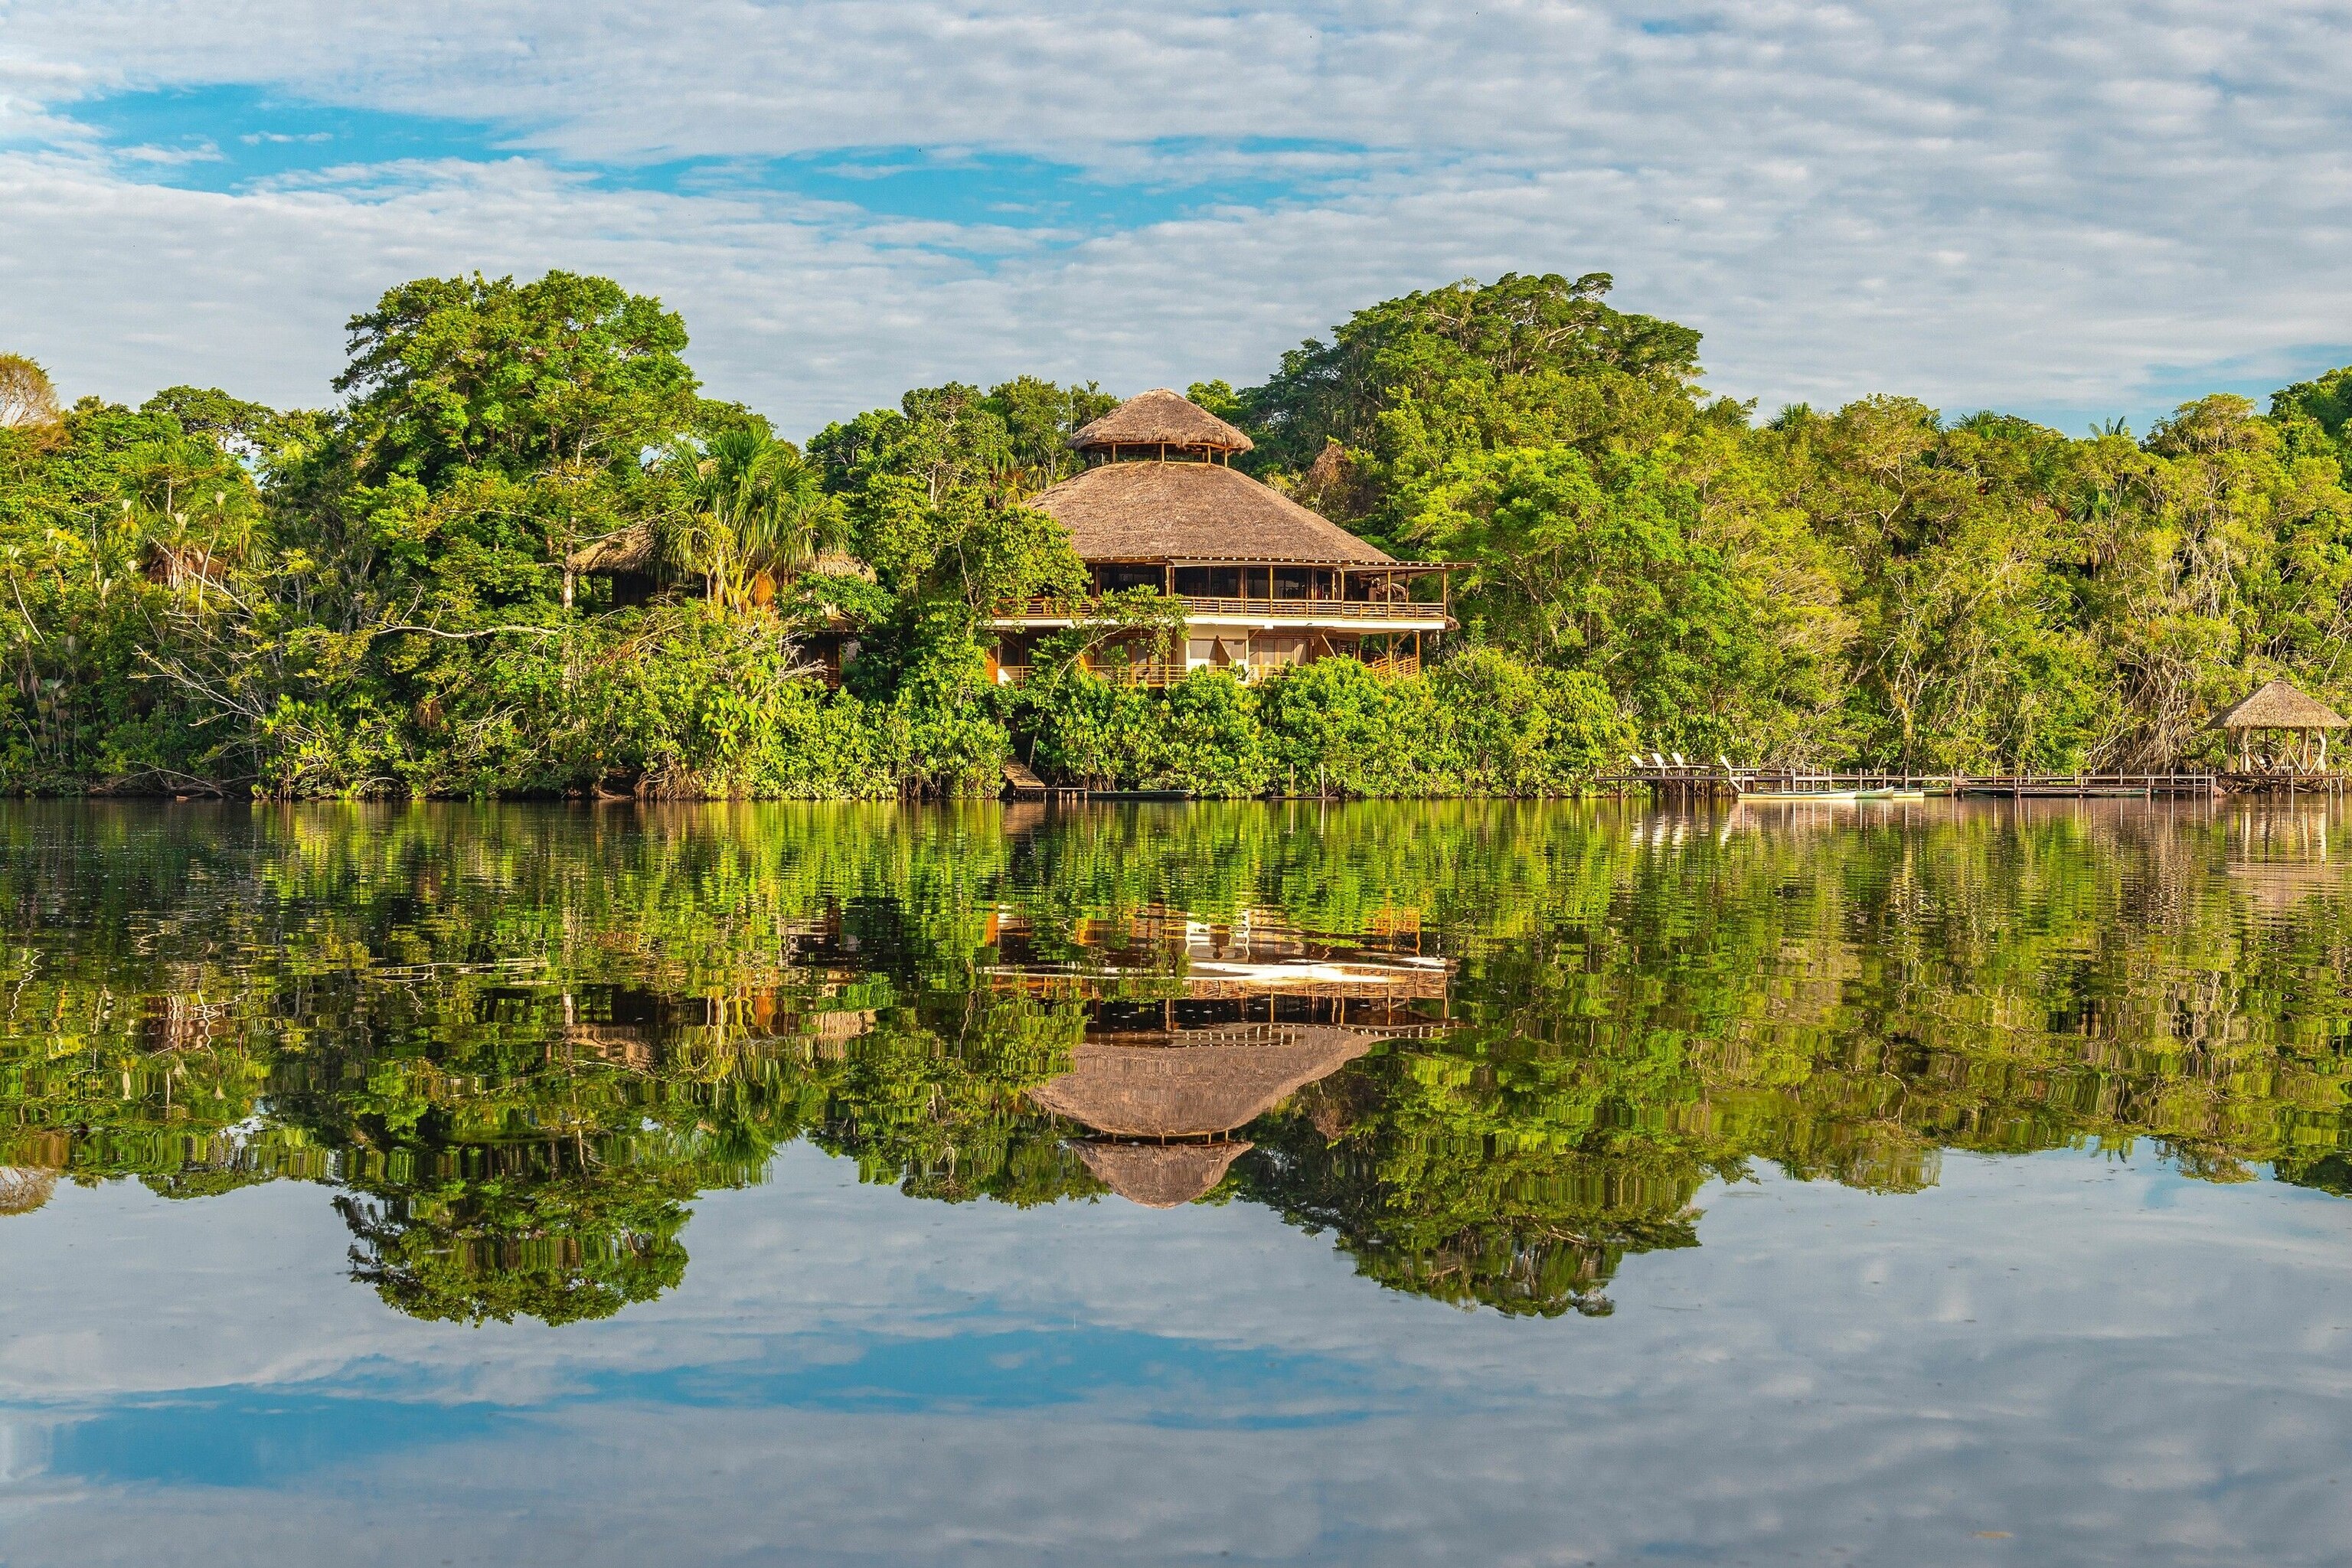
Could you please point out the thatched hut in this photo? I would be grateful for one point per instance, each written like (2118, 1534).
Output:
(1266, 582)
(2277, 713)
(632, 560)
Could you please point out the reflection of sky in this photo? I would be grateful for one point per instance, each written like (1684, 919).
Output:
(2104, 1362)
(246, 1435)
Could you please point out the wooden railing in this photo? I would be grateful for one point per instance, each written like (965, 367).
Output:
(1249, 609)
(1680, 777)
(1147, 672)
(1168, 672)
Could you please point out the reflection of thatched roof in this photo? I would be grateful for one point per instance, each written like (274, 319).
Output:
(2279, 706)
(624, 1045)
(1193, 511)
(1161, 418)
(1185, 1091)
(25, 1188)
(1160, 1175)
(2283, 884)
(634, 549)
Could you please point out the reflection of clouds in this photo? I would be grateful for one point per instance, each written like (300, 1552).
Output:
(2158, 1380)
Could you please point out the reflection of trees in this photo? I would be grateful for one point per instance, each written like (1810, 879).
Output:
(536, 1231)
(1441, 1176)
(543, 1167)
(931, 1100)
(2328, 1173)
(520, 1042)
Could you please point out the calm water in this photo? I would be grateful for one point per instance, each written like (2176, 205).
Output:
(1383, 1184)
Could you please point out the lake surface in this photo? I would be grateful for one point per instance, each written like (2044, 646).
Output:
(1415, 1184)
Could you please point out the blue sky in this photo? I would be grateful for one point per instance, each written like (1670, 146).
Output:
(2073, 213)
(233, 138)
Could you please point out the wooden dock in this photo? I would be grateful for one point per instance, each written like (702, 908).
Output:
(2092, 786)
(1021, 784)
(1720, 781)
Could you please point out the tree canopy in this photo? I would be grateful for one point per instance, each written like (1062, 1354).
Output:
(372, 598)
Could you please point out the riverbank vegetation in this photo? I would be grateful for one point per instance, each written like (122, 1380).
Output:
(205, 595)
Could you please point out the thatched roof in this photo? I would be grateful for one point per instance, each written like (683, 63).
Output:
(1160, 1175)
(1190, 1091)
(1195, 511)
(1161, 418)
(2279, 706)
(631, 549)
(634, 549)
(832, 563)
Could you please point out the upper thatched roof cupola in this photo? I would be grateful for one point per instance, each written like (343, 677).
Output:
(1161, 423)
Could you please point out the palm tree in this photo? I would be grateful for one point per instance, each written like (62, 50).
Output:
(755, 507)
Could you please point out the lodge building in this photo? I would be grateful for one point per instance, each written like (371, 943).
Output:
(1265, 582)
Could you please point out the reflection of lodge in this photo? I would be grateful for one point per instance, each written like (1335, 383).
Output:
(636, 1028)
(180, 1023)
(1194, 1031)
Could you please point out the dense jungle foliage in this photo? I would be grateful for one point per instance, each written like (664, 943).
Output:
(514, 1043)
(206, 595)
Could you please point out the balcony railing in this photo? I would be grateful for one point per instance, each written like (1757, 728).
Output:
(1200, 608)
(1168, 672)
(1148, 672)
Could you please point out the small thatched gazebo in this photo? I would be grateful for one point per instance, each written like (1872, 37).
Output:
(2278, 709)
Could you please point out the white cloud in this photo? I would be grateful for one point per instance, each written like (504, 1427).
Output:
(1979, 201)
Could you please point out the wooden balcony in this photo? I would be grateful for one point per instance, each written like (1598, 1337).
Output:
(1427, 614)
(1154, 673)
(1160, 673)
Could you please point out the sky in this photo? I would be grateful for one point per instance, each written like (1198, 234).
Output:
(2073, 211)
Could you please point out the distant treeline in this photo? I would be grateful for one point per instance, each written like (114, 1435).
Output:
(206, 594)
